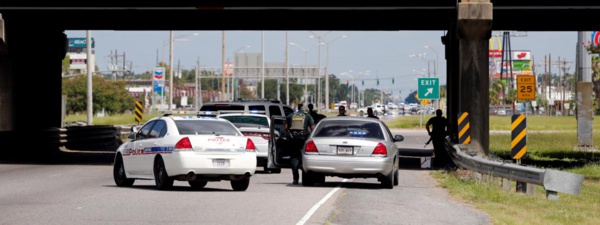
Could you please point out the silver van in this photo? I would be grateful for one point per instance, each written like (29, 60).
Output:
(269, 107)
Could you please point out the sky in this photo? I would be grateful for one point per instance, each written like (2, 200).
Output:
(381, 54)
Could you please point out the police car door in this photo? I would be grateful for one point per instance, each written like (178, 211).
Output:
(279, 156)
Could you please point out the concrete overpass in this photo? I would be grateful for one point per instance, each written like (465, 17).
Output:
(37, 27)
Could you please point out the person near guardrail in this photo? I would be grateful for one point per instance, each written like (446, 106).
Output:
(298, 125)
(438, 127)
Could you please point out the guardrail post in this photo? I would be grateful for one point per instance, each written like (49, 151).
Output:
(551, 195)
(506, 184)
(530, 189)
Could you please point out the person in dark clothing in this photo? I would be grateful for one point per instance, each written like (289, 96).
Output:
(316, 117)
(342, 110)
(298, 125)
(370, 113)
(438, 128)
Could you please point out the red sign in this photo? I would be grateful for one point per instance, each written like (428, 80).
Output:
(495, 53)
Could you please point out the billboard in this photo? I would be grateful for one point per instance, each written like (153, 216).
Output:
(158, 81)
(520, 65)
(80, 43)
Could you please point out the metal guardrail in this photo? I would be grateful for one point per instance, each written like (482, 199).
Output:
(553, 181)
(91, 138)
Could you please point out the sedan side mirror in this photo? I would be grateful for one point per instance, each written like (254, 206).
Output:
(131, 136)
(398, 138)
(135, 128)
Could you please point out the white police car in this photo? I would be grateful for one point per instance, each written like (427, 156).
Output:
(192, 149)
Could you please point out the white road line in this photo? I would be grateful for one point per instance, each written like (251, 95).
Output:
(316, 206)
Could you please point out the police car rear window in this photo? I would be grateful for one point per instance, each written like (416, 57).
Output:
(221, 107)
(352, 129)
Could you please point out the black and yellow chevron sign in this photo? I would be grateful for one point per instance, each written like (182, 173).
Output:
(464, 129)
(518, 143)
(139, 110)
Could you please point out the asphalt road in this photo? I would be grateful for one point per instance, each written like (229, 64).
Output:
(79, 189)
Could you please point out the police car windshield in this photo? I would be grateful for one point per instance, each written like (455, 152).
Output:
(191, 127)
(247, 121)
(353, 129)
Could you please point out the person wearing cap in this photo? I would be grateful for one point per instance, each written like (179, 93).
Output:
(298, 125)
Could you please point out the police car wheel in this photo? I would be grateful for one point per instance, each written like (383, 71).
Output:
(161, 178)
(240, 185)
(119, 174)
(197, 184)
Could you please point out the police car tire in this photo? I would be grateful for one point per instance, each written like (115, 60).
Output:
(240, 185)
(197, 184)
(161, 178)
(119, 173)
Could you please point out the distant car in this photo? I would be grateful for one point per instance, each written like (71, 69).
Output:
(269, 107)
(256, 127)
(192, 149)
(342, 146)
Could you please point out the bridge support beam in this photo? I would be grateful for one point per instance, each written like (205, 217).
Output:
(474, 31)
(36, 51)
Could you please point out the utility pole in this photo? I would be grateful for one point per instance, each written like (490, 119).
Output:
(124, 66)
(90, 108)
(223, 62)
(287, 69)
(262, 65)
(171, 70)
(198, 94)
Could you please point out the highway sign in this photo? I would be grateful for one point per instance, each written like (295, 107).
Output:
(429, 88)
(525, 87)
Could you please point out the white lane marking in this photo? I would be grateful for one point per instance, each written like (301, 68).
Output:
(316, 206)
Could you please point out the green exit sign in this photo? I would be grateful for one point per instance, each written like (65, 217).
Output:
(429, 88)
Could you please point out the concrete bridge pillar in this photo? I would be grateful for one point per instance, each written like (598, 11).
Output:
(36, 50)
(474, 28)
(6, 85)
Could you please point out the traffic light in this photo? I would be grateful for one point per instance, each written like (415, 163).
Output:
(377, 82)
(363, 83)
(392, 80)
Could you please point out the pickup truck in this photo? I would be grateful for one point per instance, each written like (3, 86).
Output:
(378, 110)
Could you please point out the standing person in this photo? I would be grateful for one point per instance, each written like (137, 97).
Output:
(370, 113)
(440, 129)
(342, 110)
(316, 117)
(298, 125)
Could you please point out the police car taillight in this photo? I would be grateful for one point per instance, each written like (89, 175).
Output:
(380, 150)
(311, 148)
(250, 146)
(183, 145)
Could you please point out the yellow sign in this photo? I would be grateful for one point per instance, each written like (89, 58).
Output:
(424, 102)
(525, 87)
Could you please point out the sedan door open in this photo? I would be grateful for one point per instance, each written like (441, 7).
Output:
(279, 155)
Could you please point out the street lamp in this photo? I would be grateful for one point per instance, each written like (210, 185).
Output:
(320, 39)
(349, 73)
(233, 78)
(305, 67)
(171, 40)
(437, 57)
(422, 56)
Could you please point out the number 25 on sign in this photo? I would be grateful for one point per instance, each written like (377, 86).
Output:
(525, 87)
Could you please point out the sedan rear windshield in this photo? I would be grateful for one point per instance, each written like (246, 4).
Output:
(196, 127)
(247, 121)
(361, 129)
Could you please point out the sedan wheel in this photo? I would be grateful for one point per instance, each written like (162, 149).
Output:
(119, 174)
(161, 178)
(388, 181)
(240, 185)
